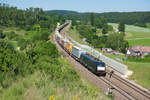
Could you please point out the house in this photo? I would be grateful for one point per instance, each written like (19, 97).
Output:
(110, 51)
(139, 51)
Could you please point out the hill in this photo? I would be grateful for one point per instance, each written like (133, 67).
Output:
(62, 12)
(131, 18)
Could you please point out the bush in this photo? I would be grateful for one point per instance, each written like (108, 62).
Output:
(42, 35)
(139, 59)
(2, 36)
(12, 62)
(11, 35)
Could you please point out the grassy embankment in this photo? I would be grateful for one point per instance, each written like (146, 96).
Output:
(141, 70)
(74, 34)
(38, 86)
(49, 79)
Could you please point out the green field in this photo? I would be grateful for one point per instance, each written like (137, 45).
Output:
(136, 35)
(144, 42)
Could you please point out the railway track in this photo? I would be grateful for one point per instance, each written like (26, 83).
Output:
(120, 90)
(130, 88)
(122, 87)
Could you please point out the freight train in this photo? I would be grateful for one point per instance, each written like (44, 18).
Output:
(93, 64)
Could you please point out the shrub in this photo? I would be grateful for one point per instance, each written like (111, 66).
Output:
(42, 35)
(12, 62)
(11, 35)
(2, 36)
(139, 59)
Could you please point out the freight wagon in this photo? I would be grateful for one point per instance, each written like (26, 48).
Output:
(76, 52)
(63, 27)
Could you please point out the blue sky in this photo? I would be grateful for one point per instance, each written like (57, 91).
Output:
(84, 5)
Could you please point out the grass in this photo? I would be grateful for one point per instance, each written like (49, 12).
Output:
(145, 42)
(141, 73)
(15, 29)
(14, 44)
(74, 34)
(136, 35)
(38, 86)
(99, 32)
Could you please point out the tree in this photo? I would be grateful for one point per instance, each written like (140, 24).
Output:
(92, 19)
(110, 28)
(121, 26)
(116, 41)
(105, 29)
(100, 22)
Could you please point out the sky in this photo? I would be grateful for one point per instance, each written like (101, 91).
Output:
(84, 5)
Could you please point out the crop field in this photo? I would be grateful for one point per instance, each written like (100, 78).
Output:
(136, 35)
(145, 42)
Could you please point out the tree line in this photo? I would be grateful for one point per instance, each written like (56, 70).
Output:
(131, 18)
(26, 19)
(109, 39)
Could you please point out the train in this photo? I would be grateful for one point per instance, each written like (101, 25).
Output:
(93, 64)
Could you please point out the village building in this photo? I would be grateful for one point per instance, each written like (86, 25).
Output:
(139, 51)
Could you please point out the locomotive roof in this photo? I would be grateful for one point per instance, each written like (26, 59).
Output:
(91, 56)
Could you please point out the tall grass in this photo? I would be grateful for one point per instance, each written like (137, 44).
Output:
(40, 86)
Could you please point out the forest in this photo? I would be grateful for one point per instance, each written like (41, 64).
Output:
(132, 18)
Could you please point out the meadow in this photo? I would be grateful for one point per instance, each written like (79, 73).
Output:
(136, 35)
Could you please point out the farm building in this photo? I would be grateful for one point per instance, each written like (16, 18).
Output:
(138, 51)
(110, 51)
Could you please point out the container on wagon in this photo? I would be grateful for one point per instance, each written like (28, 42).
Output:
(70, 47)
(76, 51)
(66, 45)
(62, 41)
(58, 37)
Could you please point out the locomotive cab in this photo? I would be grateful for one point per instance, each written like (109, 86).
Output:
(101, 69)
